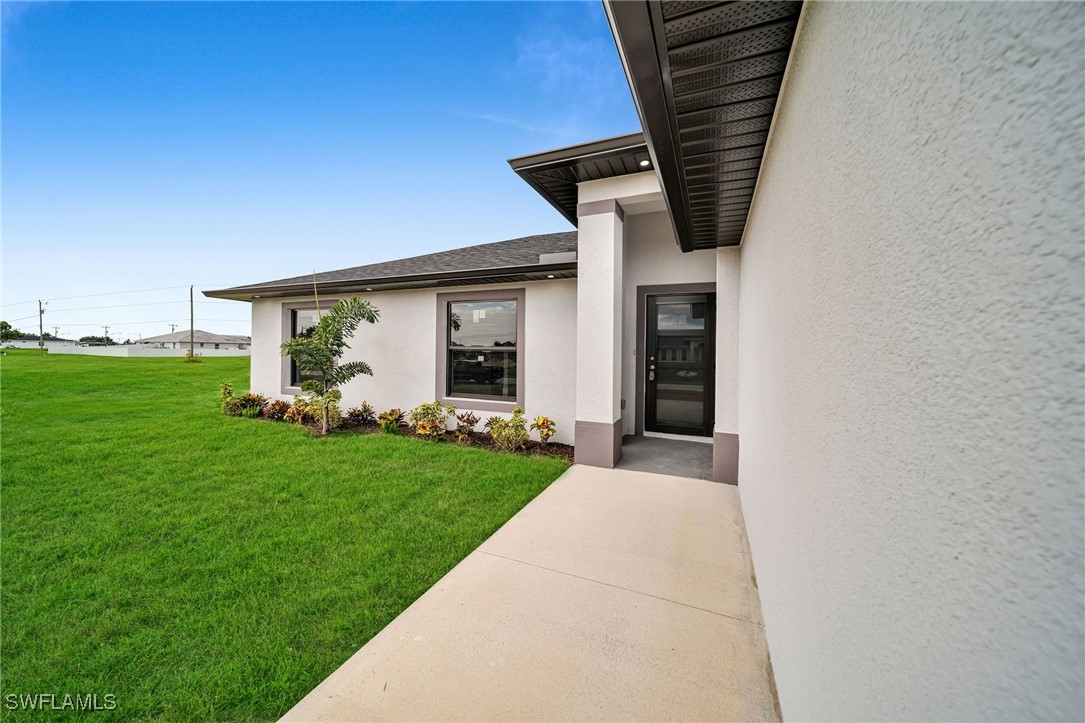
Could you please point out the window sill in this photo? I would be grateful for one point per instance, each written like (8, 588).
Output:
(480, 405)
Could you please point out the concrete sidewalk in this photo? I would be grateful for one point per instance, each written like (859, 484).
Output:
(614, 595)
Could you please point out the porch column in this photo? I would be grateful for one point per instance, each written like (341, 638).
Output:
(598, 432)
(725, 432)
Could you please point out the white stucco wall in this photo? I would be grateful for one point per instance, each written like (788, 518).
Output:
(728, 263)
(599, 329)
(401, 349)
(652, 257)
(911, 365)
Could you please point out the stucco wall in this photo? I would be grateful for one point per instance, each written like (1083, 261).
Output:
(728, 265)
(911, 365)
(401, 349)
(652, 257)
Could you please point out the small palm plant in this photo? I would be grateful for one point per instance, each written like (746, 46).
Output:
(319, 352)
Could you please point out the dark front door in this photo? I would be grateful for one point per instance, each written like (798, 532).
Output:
(680, 363)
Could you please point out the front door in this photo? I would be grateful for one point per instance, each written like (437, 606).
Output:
(680, 363)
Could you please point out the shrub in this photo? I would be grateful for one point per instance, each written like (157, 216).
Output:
(250, 412)
(226, 391)
(299, 411)
(545, 427)
(357, 416)
(191, 358)
(276, 409)
(510, 434)
(390, 421)
(431, 419)
(239, 406)
(465, 424)
(325, 407)
(492, 421)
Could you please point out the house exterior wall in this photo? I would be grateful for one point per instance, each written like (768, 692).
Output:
(401, 350)
(910, 365)
(652, 258)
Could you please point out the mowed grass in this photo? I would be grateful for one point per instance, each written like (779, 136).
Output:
(199, 566)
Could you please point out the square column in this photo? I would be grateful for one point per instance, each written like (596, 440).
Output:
(598, 432)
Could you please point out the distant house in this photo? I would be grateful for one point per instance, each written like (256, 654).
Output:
(202, 339)
(30, 341)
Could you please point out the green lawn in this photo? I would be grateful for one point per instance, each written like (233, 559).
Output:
(201, 566)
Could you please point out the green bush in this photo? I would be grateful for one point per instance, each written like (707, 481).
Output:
(276, 410)
(431, 419)
(509, 434)
(546, 428)
(390, 421)
(465, 425)
(357, 416)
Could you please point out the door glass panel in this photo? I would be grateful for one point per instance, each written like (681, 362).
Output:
(680, 317)
(677, 381)
(680, 397)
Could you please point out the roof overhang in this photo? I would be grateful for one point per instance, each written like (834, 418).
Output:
(555, 174)
(705, 78)
(512, 274)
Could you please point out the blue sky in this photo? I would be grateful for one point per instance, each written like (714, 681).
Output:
(149, 145)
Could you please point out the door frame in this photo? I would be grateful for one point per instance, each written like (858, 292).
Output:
(640, 348)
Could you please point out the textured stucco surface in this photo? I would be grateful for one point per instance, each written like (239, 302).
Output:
(599, 326)
(728, 265)
(911, 364)
(401, 349)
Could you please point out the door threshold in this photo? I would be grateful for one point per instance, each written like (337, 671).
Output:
(679, 437)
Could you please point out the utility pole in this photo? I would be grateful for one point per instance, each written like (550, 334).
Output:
(191, 326)
(105, 336)
(173, 328)
(56, 332)
(41, 329)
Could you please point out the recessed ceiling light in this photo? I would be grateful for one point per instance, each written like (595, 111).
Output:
(368, 289)
(644, 163)
(256, 296)
(549, 276)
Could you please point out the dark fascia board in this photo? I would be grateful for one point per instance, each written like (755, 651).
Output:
(527, 166)
(638, 32)
(566, 269)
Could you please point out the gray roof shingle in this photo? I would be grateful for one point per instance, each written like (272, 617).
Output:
(501, 254)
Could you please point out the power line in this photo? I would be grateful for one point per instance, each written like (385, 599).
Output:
(157, 321)
(108, 293)
(126, 306)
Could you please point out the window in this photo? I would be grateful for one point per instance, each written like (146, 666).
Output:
(479, 349)
(302, 323)
(216, 346)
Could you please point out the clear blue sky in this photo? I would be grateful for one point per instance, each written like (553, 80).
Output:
(161, 144)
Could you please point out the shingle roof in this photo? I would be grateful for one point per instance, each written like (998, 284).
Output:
(201, 337)
(512, 254)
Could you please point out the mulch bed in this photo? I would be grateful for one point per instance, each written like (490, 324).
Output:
(475, 439)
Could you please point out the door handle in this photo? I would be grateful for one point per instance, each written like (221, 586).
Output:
(651, 376)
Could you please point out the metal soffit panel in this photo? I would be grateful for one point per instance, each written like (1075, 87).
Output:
(705, 78)
(555, 174)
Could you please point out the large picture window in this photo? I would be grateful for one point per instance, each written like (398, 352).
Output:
(481, 359)
(302, 323)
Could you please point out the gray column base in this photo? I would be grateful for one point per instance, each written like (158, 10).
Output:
(597, 444)
(725, 458)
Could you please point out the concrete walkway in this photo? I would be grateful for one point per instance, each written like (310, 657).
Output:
(614, 595)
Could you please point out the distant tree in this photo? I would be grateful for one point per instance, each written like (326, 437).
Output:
(97, 339)
(7, 331)
(318, 352)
